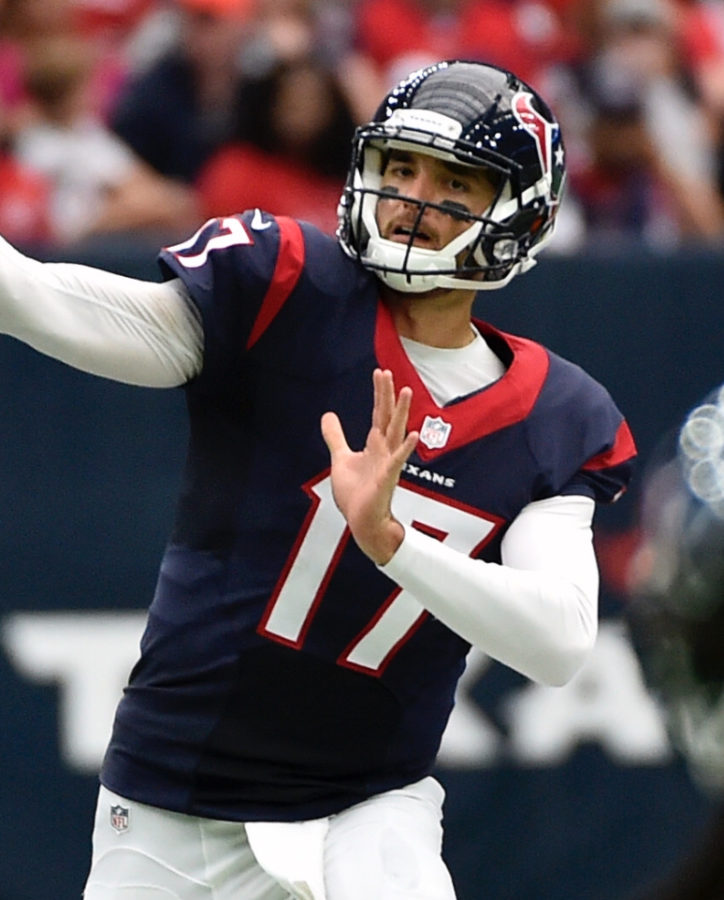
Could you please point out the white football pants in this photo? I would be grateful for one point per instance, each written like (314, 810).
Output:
(386, 848)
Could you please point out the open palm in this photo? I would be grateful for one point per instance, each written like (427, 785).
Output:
(363, 481)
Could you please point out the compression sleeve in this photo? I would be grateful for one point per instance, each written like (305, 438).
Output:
(538, 611)
(134, 331)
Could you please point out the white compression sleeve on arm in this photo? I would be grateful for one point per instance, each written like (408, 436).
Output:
(538, 611)
(139, 332)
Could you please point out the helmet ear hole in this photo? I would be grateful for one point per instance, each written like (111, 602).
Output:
(476, 115)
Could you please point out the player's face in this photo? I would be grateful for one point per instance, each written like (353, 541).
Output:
(462, 189)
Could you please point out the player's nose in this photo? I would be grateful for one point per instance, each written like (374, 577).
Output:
(421, 186)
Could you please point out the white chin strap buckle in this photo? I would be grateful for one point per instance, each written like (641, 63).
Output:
(391, 260)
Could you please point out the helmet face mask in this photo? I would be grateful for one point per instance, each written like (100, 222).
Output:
(473, 115)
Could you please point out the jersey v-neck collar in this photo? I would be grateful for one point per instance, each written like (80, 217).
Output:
(499, 405)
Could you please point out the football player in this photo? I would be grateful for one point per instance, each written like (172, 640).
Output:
(322, 586)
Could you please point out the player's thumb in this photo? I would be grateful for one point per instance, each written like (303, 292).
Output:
(333, 434)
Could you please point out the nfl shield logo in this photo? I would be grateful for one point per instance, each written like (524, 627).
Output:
(434, 432)
(119, 819)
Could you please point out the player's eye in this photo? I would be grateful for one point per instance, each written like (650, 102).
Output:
(458, 185)
(401, 170)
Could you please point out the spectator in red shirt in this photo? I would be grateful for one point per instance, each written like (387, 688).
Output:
(176, 113)
(23, 202)
(292, 147)
(648, 165)
(524, 35)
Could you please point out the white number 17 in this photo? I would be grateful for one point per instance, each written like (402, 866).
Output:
(320, 544)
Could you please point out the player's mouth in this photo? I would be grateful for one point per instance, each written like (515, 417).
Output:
(420, 238)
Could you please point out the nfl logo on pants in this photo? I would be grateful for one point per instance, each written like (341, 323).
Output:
(119, 819)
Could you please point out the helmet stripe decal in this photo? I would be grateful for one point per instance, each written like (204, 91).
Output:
(540, 128)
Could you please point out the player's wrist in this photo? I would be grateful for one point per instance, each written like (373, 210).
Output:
(382, 544)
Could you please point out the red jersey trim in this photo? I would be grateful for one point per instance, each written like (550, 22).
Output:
(624, 448)
(289, 265)
(505, 402)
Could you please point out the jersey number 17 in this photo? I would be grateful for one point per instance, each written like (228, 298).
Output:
(320, 544)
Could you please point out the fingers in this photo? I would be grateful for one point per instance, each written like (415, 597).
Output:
(397, 427)
(333, 434)
(384, 398)
(390, 415)
(404, 451)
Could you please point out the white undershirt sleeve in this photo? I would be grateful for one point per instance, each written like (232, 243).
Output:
(138, 332)
(538, 611)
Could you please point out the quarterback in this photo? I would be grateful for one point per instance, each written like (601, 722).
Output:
(375, 482)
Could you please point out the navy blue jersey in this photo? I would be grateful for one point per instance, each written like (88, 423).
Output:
(282, 675)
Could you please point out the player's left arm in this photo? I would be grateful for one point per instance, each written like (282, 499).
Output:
(536, 612)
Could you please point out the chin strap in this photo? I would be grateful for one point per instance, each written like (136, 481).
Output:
(392, 263)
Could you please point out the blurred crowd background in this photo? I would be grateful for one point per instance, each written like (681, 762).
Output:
(146, 116)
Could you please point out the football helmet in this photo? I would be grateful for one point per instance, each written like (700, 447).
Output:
(478, 115)
(677, 608)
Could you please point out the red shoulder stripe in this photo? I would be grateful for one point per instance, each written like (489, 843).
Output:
(289, 265)
(623, 449)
